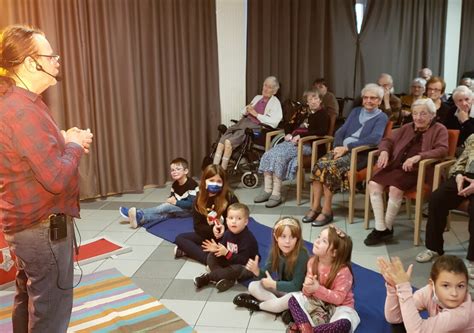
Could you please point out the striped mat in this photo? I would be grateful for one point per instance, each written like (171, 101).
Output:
(107, 301)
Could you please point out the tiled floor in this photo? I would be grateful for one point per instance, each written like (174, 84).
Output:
(152, 266)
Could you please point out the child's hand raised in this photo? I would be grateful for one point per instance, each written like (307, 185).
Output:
(252, 266)
(210, 246)
(268, 281)
(393, 271)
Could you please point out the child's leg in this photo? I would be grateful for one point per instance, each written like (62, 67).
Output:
(344, 320)
(190, 243)
(297, 312)
(277, 304)
(157, 214)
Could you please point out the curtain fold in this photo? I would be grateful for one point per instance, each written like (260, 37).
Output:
(400, 37)
(142, 74)
(298, 41)
(466, 47)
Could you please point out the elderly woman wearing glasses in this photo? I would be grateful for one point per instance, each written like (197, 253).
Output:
(364, 126)
(417, 90)
(435, 90)
(397, 163)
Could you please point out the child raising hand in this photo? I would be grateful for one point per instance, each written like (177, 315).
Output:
(446, 297)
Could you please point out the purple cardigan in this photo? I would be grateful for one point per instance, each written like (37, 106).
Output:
(434, 142)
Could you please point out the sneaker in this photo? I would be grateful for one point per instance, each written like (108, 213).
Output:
(124, 212)
(426, 256)
(135, 216)
(202, 280)
(377, 237)
(224, 284)
(178, 253)
(262, 197)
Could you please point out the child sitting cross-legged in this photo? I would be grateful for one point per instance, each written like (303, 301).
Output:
(446, 297)
(178, 204)
(227, 259)
(326, 303)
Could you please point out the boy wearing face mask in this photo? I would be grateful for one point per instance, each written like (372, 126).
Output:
(209, 210)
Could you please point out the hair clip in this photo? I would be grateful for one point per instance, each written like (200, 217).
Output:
(338, 231)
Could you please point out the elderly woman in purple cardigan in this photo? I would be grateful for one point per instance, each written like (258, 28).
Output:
(398, 161)
(364, 126)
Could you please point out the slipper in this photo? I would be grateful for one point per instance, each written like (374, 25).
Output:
(327, 219)
(311, 215)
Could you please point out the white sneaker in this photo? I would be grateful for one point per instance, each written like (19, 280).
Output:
(426, 256)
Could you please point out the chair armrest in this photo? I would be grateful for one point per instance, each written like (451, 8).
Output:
(370, 163)
(354, 152)
(422, 166)
(439, 170)
(327, 140)
(269, 136)
(301, 142)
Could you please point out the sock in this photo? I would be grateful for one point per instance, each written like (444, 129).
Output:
(276, 186)
(218, 154)
(377, 206)
(268, 182)
(297, 312)
(393, 206)
(339, 326)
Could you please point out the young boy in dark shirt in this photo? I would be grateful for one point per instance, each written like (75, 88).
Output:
(227, 259)
(178, 204)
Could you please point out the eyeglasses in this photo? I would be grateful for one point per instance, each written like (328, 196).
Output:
(54, 58)
(338, 231)
(433, 89)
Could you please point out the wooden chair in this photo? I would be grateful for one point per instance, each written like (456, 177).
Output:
(355, 175)
(419, 193)
(440, 174)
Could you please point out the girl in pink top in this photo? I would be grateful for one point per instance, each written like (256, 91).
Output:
(446, 297)
(326, 303)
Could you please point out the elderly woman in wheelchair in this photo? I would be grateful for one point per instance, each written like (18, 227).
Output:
(264, 109)
(458, 189)
(276, 163)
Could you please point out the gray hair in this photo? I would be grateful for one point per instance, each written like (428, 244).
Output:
(427, 102)
(419, 81)
(462, 90)
(274, 82)
(427, 70)
(372, 87)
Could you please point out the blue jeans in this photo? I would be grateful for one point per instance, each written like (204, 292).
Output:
(44, 281)
(157, 214)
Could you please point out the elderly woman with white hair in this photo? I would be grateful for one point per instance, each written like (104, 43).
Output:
(417, 89)
(364, 126)
(264, 109)
(462, 117)
(398, 165)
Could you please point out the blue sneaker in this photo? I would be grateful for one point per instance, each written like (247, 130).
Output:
(135, 216)
(124, 212)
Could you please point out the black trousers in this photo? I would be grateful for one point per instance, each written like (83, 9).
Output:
(191, 243)
(222, 269)
(442, 201)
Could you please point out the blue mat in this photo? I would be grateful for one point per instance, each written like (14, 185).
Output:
(369, 287)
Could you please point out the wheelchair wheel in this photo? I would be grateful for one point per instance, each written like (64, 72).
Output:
(279, 138)
(249, 179)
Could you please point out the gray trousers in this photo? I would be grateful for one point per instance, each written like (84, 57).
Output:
(45, 268)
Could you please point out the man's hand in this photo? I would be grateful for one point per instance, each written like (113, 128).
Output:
(467, 191)
(82, 137)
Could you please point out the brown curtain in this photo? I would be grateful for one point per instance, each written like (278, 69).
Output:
(400, 37)
(298, 41)
(466, 47)
(142, 74)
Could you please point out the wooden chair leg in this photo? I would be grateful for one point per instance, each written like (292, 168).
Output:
(299, 185)
(351, 202)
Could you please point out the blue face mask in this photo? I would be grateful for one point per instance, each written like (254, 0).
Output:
(213, 187)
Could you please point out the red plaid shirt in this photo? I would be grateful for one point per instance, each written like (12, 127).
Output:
(38, 171)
